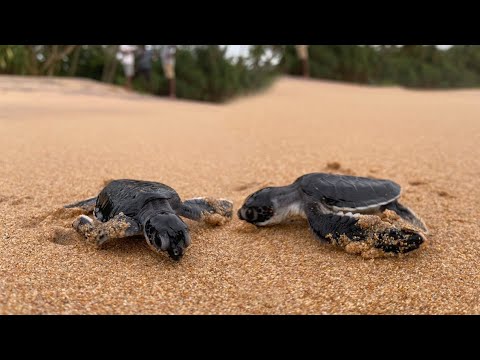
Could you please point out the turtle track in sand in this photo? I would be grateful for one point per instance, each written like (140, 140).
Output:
(56, 226)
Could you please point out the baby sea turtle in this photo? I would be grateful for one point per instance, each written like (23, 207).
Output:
(132, 207)
(361, 215)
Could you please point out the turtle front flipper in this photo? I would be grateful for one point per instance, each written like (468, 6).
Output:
(120, 226)
(208, 210)
(367, 235)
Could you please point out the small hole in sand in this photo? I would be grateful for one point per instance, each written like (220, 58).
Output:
(335, 165)
(20, 201)
(417, 182)
(245, 186)
(241, 188)
(444, 194)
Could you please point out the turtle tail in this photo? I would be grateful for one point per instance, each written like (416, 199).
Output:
(87, 204)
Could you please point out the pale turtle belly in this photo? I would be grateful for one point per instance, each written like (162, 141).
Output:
(370, 210)
(291, 211)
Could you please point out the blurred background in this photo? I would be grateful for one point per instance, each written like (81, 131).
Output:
(217, 73)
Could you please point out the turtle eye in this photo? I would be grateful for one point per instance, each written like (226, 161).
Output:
(250, 214)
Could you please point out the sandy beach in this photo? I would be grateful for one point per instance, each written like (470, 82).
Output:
(61, 139)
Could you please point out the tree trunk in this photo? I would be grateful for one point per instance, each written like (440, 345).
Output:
(52, 60)
(48, 66)
(107, 64)
(32, 65)
(110, 66)
(74, 65)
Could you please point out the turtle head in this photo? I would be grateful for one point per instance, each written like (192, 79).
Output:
(258, 208)
(167, 232)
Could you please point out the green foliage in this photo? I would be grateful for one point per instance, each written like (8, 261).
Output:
(203, 73)
(12, 59)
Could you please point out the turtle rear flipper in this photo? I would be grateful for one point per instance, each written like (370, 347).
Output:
(364, 234)
(406, 214)
(87, 205)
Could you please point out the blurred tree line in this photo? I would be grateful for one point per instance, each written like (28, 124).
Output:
(203, 72)
(415, 66)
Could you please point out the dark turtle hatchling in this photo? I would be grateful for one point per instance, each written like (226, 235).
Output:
(132, 207)
(357, 213)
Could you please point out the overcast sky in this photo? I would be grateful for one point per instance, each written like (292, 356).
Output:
(237, 50)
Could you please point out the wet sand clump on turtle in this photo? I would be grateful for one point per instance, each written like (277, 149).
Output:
(98, 232)
(373, 225)
(223, 212)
